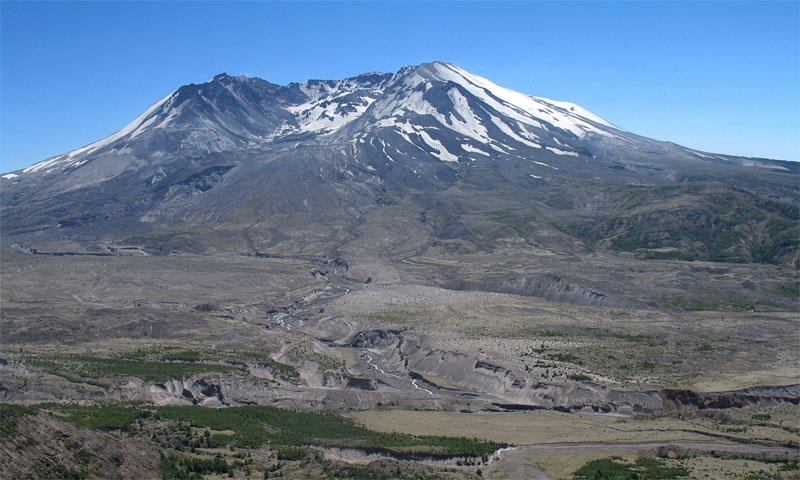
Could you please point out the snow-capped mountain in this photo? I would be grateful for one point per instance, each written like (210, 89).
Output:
(424, 105)
(428, 106)
(320, 157)
(478, 112)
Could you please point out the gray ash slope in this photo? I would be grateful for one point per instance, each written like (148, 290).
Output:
(391, 164)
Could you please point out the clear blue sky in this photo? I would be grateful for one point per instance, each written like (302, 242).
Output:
(720, 77)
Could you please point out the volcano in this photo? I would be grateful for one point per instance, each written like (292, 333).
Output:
(396, 163)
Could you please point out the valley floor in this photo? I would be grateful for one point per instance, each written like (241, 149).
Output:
(690, 369)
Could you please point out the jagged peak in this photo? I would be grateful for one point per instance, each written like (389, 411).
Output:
(325, 106)
(225, 78)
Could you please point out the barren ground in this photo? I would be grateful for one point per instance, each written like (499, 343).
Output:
(407, 346)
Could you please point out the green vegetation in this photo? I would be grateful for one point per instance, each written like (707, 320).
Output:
(643, 469)
(153, 364)
(565, 357)
(521, 225)
(791, 290)
(173, 354)
(731, 303)
(560, 201)
(106, 417)
(9, 414)
(292, 453)
(696, 222)
(452, 247)
(647, 365)
(327, 362)
(77, 365)
(190, 468)
(62, 473)
(370, 472)
(691, 304)
(595, 332)
(254, 426)
(293, 428)
(204, 308)
(793, 466)
(705, 347)
(787, 471)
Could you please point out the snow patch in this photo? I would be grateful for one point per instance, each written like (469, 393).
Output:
(463, 120)
(702, 154)
(751, 163)
(406, 129)
(562, 152)
(469, 148)
(439, 150)
(329, 113)
(576, 109)
(469, 124)
(524, 108)
(133, 129)
(507, 130)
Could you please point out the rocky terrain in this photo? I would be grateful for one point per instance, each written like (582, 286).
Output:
(384, 249)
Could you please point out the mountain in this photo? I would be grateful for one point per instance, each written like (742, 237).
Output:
(431, 158)
(409, 248)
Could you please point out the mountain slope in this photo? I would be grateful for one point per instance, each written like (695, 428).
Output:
(430, 157)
